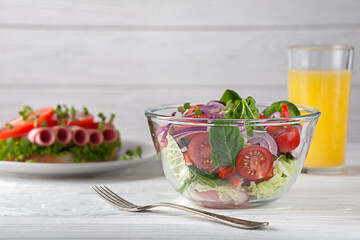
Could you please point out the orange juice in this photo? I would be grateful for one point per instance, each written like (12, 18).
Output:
(328, 91)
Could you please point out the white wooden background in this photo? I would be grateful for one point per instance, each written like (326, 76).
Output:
(123, 56)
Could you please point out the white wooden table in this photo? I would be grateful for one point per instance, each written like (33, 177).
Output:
(317, 207)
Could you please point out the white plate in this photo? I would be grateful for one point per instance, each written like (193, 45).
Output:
(76, 169)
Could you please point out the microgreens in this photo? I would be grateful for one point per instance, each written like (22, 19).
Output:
(187, 105)
(85, 110)
(112, 117)
(198, 111)
(132, 154)
(25, 112)
(44, 124)
(101, 127)
(102, 117)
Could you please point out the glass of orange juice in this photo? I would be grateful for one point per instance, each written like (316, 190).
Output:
(320, 76)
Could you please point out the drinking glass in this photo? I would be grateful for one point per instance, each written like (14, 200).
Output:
(320, 76)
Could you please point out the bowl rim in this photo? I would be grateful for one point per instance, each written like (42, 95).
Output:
(314, 113)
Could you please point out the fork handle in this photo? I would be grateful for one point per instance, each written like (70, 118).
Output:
(235, 222)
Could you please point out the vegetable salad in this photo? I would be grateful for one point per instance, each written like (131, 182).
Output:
(230, 163)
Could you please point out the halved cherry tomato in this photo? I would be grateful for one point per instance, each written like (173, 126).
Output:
(235, 180)
(255, 162)
(225, 171)
(287, 137)
(285, 110)
(199, 151)
(18, 126)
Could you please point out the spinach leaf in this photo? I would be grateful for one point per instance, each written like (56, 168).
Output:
(230, 95)
(250, 112)
(211, 179)
(249, 129)
(276, 107)
(244, 109)
(237, 111)
(226, 143)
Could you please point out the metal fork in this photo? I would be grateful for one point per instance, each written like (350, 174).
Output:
(124, 205)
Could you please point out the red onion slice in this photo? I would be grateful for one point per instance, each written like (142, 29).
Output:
(166, 129)
(62, 134)
(208, 109)
(265, 140)
(216, 104)
(275, 115)
(95, 137)
(181, 133)
(80, 136)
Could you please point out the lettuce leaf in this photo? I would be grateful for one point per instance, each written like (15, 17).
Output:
(18, 149)
(284, 169)
(225, 193)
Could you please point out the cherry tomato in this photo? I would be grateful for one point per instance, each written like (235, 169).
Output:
(199, 151)
(18, 126)
(285, 110)
(225, 171)
(255, 162)
(287, 137)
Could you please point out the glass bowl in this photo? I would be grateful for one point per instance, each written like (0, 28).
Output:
(227, 163)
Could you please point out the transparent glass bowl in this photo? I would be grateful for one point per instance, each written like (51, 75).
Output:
(185, 144)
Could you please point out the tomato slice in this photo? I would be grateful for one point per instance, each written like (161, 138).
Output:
(81, 119)
(199, 151)
(20, 126)
(287, 137)
(255, 162)
(285, 110)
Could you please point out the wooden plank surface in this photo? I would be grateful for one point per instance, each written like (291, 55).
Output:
(254, 57)
(321, 207)
(177, 13)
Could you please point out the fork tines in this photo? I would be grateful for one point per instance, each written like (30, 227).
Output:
(112, 197)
